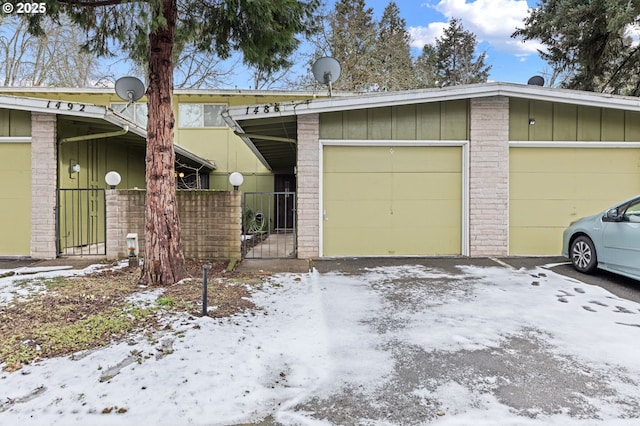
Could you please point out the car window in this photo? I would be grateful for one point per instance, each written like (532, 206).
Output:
(632, 214)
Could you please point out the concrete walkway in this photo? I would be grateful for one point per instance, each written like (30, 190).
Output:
(278, 244)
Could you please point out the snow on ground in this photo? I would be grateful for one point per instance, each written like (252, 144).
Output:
(30, 279)
(393, 345)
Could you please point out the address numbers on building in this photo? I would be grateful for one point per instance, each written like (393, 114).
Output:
(69, 106)
(263, 109)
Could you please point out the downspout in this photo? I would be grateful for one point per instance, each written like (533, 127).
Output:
(124, 131)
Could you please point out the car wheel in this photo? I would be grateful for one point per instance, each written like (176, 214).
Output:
(583, 254)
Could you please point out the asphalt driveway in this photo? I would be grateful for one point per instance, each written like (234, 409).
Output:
(487, 341)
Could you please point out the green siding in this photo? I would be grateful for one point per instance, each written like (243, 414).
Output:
(433, 121)
(565, 122)
(589, 124)
(81, 218)
(613, 125)
(632, 126)
(15, 199)
(15, 123)
(98, 157)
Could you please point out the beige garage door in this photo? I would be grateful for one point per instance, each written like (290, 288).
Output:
(551, 187)
(15, 199)
(386, 201)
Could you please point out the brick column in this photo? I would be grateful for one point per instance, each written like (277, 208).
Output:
(489, 177)
(308, 181)
(116, 247)
(43, 185)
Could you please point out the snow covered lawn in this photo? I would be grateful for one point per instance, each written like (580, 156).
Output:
(392, 345)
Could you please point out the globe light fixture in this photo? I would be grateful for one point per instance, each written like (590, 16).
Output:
(236, 180)
(113, 179)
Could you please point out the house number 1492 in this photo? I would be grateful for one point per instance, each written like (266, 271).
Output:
(64, 105)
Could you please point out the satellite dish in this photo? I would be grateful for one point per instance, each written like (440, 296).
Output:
(536, 80)
(326, 70)
(129, 89)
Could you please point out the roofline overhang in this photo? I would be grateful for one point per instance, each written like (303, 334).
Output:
(377, 100)
(81, 109)
(238, 131)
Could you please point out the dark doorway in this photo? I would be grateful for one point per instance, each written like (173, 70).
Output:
(285, 186)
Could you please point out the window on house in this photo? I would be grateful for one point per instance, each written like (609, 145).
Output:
(134, 112)
(200, 115)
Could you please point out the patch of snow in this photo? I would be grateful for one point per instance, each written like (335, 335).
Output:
(323, 344)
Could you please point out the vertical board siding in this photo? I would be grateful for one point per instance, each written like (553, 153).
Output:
(434, 121)
(565, 122)
(15, 123)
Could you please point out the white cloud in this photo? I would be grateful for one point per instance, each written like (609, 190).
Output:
(426, 35)
(492, 21)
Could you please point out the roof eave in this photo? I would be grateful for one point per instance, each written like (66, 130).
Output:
(376, 100)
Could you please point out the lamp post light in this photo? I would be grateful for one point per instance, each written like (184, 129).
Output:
(112, 179)
(236, 180)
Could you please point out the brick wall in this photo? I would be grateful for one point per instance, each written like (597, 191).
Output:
(210, 222)
(308, 181)
(489, 177)
(43, 185)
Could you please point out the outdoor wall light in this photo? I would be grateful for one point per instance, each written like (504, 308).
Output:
(132, 248)
(112, 179)
(532, 121)
(132, 244)
(236, 180)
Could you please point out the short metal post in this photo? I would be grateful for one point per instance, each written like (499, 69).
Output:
(205, 268)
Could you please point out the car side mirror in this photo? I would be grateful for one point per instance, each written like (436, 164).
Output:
(613, 215)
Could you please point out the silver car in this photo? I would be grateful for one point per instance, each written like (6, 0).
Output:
(609, 240)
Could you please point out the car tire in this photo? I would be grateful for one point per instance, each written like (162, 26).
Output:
(583, 255)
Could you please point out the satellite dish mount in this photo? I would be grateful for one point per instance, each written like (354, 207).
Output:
(326, 70)
(130, 89)
(536, 80)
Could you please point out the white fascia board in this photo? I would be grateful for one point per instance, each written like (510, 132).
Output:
(119, 120)
(238, 131)
(68, 108)
(80, 109)
(52, 106)
(193, 157)
(314, 106)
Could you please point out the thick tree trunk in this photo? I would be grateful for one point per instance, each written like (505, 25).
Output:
(163, 258)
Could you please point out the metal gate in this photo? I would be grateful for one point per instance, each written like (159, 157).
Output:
(81, 216)
(269, 225)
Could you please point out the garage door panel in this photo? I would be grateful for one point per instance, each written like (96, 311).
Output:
(420, 186)
(440, 241)
(575, 160)
(361, 213)
(438, 159)
(551, 187)
(426, 214)
(357, 186)
(584, 186)
(365, 241)
(354, 160)
(411, 205)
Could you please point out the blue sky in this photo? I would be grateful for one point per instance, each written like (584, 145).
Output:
(492, 22)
